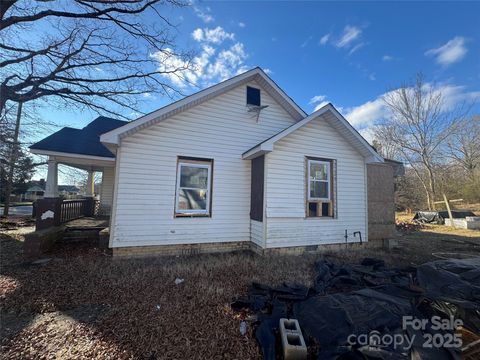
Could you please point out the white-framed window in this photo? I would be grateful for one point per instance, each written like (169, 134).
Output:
(193, 193)
(319, 180)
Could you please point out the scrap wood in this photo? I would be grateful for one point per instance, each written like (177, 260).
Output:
(470, 343)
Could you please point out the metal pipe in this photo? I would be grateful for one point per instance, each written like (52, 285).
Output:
(359, 233)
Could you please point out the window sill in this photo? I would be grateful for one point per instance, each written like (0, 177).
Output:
(320, 218)
(182, 215)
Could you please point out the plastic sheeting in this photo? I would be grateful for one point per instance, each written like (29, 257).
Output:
(358, 299)
(438, 217)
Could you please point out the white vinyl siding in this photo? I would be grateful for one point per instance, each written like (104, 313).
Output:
(286, 188)
(257, 231)
(106, 190)
(220, 129)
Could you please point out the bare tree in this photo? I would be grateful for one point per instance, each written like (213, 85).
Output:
(464, 145)
(418, 126)
(92, 53)
(385, 147)
(97, 54)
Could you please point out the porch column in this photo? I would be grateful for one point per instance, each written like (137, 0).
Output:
(90, 183)
(51, 186)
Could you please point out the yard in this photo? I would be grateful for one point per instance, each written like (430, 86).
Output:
(84, 304)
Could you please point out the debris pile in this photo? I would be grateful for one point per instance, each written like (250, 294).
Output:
(408, 227)
(438, 217)
(384, 306)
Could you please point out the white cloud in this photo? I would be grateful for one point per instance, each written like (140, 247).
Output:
(319, 101)
(324, 39)
(454, 50)
(355, 48)
(204, 15)
(367, 113)
(350, 34)
(317, 98)
(387, 58)
(367, 133)
(350, 39)
(241, 24)
(228, 63)
(364, 116)
(305, 43)
(268, 71)
(215, 36)
(216, 60)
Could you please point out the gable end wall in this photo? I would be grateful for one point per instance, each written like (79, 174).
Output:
(220, 129)
(286, 189)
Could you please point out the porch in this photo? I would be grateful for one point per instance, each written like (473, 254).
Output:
(53, 210)
(79, 149)
(66, 221)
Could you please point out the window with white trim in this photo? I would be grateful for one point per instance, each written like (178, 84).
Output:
(318, 180)
(193, 195)
(319, 188)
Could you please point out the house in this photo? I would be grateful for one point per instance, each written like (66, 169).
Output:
(36, 191)
(237, 165)
(68, 191)
(33, 193)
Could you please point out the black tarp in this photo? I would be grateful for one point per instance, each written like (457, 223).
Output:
(438, 217)
(361, 299)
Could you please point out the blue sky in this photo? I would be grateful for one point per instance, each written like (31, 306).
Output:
(347, 53)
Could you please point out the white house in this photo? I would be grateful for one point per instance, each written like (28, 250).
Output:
(236, 165)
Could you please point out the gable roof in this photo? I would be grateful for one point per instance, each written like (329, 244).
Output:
(156, 116)
(84, 141)
(334, 118)
(35, 188)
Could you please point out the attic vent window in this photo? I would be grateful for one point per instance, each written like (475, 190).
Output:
(253, 96)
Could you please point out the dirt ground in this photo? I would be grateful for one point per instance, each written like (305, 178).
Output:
(82, 303)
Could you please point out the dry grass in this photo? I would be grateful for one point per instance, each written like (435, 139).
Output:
(84, 305)
(141, 312)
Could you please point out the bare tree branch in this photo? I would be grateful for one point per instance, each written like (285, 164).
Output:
(418, 127)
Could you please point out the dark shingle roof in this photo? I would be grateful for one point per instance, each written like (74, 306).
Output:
(84, 141)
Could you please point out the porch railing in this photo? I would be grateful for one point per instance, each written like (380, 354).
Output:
(56, 211)
(72, 209)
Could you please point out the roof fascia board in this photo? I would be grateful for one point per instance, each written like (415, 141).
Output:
(374, 155)
(257, 151)
(113, 136)
(72, 155)
(267, 145)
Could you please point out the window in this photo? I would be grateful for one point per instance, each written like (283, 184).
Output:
(253, 96)
(193, 187)
(319, 188)
(318, 180)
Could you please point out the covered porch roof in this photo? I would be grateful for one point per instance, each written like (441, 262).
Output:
(80, 148)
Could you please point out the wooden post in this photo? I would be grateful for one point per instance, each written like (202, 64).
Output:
(90, 183)
(51, 187)
(447, 204)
